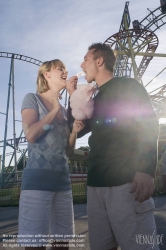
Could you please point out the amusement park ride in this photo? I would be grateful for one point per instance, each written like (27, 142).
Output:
(140, 41)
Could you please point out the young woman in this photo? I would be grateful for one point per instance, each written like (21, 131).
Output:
(46, 210)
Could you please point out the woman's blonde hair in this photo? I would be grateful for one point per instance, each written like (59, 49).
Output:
(42, 84)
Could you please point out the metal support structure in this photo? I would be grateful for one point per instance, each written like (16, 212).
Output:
(122, 67)
(133, 59)
(143, 54)
(14, 123)
(159, 88)
(154, 20)
(6, 123)
(131, 51)
(131, 44)
(139, 41)
(17, 141)
(11, 85)
(21, 57)
(125, 18)
(156, 76)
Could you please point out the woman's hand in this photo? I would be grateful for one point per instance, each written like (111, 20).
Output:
(71, 84)
(77, 126)
(54, 100)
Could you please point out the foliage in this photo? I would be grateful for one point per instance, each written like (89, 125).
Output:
(86, 148)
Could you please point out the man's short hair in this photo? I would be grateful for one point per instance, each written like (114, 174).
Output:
(105, 51)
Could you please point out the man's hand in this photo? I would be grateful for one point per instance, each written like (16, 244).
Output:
(143, 186)
(71, 84)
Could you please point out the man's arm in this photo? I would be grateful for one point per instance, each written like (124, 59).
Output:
(147, 131)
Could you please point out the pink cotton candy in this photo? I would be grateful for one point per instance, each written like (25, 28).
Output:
(81, 101)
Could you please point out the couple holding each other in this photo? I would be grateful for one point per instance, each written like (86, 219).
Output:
(123, 156)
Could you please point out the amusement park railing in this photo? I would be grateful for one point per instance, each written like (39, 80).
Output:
(10, 194)
(79, 189)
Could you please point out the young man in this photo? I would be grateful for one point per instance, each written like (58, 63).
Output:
(123, 156)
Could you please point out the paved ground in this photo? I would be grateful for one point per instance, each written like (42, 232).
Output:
(9, 224)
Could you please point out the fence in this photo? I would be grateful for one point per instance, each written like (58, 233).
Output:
(10, 193)
(78, 189)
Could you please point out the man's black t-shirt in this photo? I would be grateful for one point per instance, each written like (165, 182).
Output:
(124, 135)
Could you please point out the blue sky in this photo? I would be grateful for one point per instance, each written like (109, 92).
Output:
(49, 29)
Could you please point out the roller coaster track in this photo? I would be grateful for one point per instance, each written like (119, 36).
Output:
(151, 48)
(10, 142)
(9, 175)
(159, 101)
(153, 21)
(20, 57)
(140, 38)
